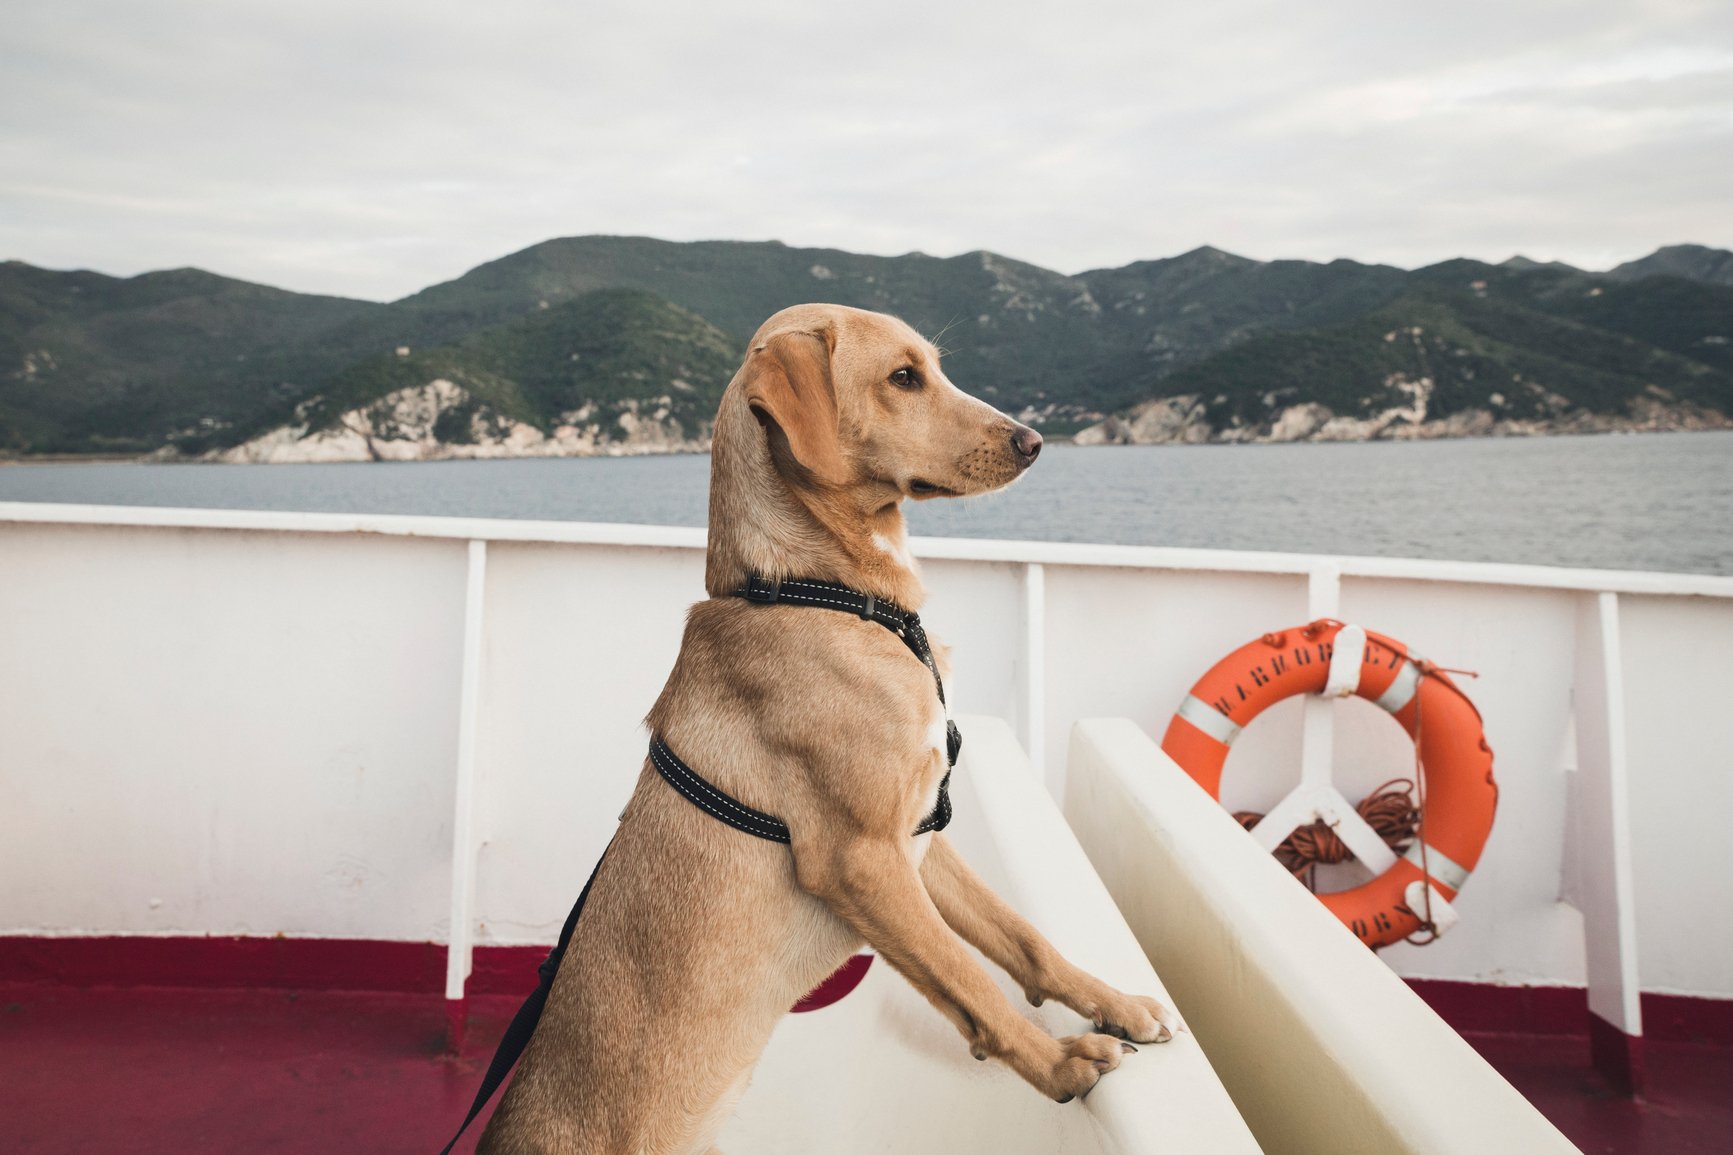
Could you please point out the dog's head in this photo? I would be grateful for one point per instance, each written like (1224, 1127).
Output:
(851, 400)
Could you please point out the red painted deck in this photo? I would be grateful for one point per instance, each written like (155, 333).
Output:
(257, 1071)
(1687, 1107)
(271, 1072)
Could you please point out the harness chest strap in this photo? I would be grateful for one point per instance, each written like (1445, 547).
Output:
(821, 595)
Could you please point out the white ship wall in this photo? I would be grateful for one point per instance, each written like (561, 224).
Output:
(217, 722)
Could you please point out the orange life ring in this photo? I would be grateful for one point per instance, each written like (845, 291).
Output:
(1460, 795)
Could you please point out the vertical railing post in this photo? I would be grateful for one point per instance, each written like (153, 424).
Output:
(460, 948)
(1035, 666)
(1318, 730)
(1604, 889)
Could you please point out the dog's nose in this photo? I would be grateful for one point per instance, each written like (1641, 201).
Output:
(1027, 443)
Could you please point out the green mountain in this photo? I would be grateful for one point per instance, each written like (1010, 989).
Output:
(648, 331)
(90, 363)
(1016, 333)
(1467, 348)
(1433, 355)
(584, 361)
(1692, 262)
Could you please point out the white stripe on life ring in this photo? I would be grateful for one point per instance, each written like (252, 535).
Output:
(1401, 691)
(1209, 719)
(1444, 868)
(1444, 915)
(1347, 655)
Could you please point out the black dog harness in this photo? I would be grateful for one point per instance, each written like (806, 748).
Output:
(719, 805)
(825, 595)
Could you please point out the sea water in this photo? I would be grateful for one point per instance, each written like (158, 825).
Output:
(1635, 501)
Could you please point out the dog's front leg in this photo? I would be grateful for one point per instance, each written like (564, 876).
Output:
(871, 884)
(999, 932)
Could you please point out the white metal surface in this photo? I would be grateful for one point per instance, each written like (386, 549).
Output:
(1316, 798)
(460, 951)
(231, 722)
(1325, 1051)
(1035, 664)
(1605, 890)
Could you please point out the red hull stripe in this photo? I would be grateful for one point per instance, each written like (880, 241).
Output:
(1485, 1009)
(313, 964)
(419, 967)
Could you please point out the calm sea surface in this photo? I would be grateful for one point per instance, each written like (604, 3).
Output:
(1653, 501)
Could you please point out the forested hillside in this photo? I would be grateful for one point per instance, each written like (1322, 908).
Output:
(622, 344)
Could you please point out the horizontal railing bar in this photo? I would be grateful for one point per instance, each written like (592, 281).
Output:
(387, 524)
(936, 548)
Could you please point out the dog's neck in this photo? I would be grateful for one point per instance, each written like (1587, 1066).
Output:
(765, 523)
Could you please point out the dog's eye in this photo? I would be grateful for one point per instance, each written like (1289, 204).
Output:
(905, 379)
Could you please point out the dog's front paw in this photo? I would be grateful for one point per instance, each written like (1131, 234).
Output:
(1136, 1017)
(1082, 1061)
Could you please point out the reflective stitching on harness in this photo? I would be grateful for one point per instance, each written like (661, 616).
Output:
(941, 815)
(813, 598)
(884, 613)
(658, 747)
(687, 783)
(723, 818)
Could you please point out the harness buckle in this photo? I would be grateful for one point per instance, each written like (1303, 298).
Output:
(866, 610)
(762, 591)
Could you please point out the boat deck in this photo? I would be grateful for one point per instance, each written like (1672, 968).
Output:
(273, 1072)
(267, 1072)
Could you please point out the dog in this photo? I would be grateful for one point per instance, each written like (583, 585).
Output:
(697, 938)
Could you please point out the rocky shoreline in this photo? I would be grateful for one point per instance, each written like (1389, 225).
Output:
(417, 424)
(1184, 420)
(441, 421)
(406, 426)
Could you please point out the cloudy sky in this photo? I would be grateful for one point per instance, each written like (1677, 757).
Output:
(372, 147)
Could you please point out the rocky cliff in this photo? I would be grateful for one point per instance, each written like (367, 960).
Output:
(416, 423)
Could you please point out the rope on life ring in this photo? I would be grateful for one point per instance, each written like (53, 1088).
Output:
(1388, 810)
(1437, 832)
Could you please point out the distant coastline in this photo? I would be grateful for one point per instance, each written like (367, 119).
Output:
(1183, 421)
(1478, 430)
(604, 346)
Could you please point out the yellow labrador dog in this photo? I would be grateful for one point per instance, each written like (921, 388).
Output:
(697, 938)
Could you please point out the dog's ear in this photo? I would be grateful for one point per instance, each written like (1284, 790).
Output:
(790, 389)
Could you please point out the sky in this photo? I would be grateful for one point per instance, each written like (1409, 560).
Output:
(369, 148)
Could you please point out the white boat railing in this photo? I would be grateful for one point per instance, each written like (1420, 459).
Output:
(367, 703)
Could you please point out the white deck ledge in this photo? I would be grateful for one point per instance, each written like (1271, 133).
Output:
(1324, 1049)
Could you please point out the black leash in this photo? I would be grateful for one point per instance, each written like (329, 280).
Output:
(523, 1024)
(722, 806)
